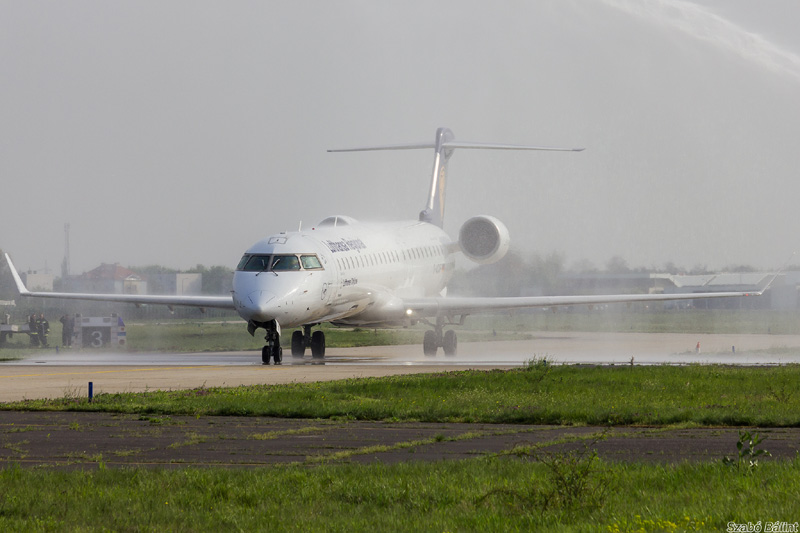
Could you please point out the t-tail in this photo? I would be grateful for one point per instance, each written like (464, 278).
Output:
(444, 144)
(434, 210)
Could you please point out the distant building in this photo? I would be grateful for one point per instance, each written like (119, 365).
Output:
(177, 283)
(37, 282)
(108, 278)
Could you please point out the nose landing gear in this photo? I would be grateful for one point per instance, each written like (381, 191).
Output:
(274, 352)
(273, 349)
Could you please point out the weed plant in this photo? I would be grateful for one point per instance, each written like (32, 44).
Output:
(747, 452)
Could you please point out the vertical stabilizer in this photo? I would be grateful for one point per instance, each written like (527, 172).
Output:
(444, 145)
(434, 210)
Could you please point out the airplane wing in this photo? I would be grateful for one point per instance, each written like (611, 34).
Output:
(428, 307)
(219, 302)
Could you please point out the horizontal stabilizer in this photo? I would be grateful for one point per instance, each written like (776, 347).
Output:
(456, 144)
(494, 146)
(443, 146)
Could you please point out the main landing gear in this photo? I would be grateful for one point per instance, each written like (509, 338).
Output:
(438, 338)
(305, 339)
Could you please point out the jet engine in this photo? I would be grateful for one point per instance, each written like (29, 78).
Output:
(484, 239)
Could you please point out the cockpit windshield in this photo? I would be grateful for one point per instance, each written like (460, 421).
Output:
(278, 262)
(285, 262)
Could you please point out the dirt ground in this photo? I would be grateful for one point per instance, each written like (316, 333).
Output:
(67, 440)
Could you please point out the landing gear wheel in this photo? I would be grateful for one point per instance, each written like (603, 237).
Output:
(298, 344)
(277, 354)
(450, 342)
(429, 343)
(265, 354)
(318, 345)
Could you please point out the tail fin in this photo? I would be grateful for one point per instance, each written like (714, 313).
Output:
(443, 146)
(434, 210)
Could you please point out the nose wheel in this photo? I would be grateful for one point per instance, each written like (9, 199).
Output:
(272, 352)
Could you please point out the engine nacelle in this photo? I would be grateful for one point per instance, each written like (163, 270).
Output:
(484, 239)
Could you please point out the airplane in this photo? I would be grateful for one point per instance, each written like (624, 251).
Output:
(350, 273)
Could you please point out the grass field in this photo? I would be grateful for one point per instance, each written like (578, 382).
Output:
(538, 394)
(518, 489)
(554, 493)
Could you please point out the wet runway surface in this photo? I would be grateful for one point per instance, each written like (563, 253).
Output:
(51, 374)
(560, 348)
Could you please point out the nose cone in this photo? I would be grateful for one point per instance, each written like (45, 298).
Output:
(258, 306)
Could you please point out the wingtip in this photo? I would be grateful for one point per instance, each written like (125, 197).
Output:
(17, 279)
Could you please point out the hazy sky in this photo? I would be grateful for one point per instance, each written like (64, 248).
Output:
(180, 133)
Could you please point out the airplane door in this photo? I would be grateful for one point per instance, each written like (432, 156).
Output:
(331, 284)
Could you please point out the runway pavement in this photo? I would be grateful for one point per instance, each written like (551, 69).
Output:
(51, 375)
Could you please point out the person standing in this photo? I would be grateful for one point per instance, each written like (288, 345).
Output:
(44, 329)
(67, 329)
(33, 330)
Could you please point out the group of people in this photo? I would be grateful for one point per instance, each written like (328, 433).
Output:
(38, 329)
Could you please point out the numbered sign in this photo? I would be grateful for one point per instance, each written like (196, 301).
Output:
(100, 332)
(95, 336)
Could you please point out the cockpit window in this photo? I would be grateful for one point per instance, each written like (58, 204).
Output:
(257, 263)
(243, 262)
(278, 262)
(285, 262)
(310, 262)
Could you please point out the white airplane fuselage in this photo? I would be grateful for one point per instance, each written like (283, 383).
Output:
(364, 272)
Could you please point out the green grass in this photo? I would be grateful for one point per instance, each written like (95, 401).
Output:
(490, 494)
(539, 394)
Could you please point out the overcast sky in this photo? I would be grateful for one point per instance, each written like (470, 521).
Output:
(180, 133)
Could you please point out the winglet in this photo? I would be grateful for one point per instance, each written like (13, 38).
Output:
(18, 280)
(778, 273)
